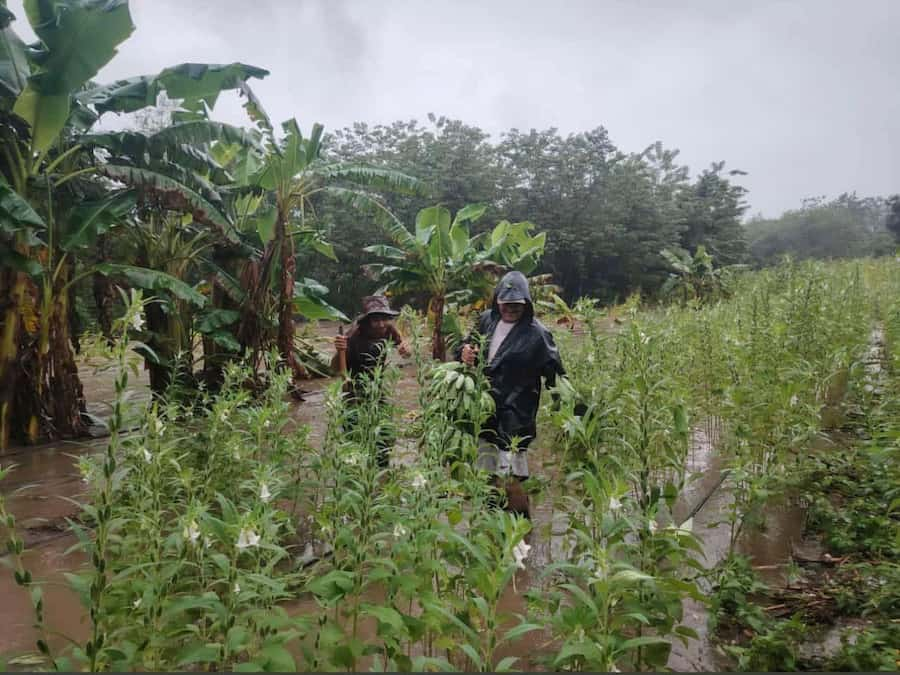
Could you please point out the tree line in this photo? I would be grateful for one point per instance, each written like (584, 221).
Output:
(845, 227)
(607, 214)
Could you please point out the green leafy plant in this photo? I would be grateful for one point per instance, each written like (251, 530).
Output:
(442, 260)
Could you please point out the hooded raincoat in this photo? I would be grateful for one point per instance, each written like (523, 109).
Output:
(526, 355)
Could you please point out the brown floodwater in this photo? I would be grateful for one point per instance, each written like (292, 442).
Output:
(47, 477)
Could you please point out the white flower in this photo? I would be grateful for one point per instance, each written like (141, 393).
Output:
(247, 539)
(794, 400)
(419, 481)
(191, 532)
(520, 553)
(264, 495)
(237, 587)
(267, 424)
(352, 459)
(400, 531)
(136, 603)
(147, 456)
(685, 528)
(614, 504)
(137, 322)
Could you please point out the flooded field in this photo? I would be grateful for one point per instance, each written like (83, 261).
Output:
(44, 490)
(46, 487)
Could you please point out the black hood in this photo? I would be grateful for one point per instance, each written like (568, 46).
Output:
(513, 286)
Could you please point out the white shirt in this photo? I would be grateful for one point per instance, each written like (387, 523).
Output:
(500, 333)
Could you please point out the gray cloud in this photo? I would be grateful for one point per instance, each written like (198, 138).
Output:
(802, 95)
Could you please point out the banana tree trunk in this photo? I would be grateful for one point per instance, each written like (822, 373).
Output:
(250, 329)
(213, 358)
(103, 292)
(40, 392)
(61, 389)
(18, 294)
(160, 369)
(286, 300)
(439, 346)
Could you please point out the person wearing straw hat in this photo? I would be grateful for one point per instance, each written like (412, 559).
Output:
(363, 349)
(365, 344)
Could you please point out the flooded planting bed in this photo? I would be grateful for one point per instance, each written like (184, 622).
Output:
(41, 492)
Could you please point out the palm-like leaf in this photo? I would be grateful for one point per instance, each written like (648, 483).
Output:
(14, 68)
(173, 195)
(77, 38)
(154, 280)
(191, 81)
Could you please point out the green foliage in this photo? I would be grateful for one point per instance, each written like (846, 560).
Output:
(442, 261)
(892, 223)
(214, 514)
(76, 39)
(607, 214)
(189, 81)
(873, 649)
(773, 649)
(154, 280)
(695, 279)
(735, 589)
(847, 493)
(846, 227)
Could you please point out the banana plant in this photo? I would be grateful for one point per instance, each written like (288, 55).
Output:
(444, 261)
(695, 278)
(181, 214)
(289, 176)
(53, 201)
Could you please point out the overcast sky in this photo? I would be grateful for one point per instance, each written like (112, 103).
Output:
(804, 95)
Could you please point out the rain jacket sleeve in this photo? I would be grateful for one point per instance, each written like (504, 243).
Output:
(553, 366)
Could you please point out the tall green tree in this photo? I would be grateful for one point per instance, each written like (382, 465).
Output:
(560, 183)
(712, 208)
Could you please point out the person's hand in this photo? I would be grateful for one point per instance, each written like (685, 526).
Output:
(340, 343)
(469, 352)
(403, 349)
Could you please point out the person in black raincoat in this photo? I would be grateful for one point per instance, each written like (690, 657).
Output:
(521, 352)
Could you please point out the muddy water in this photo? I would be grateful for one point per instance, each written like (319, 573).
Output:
(37, 493)
(707, 500)
(64, 616)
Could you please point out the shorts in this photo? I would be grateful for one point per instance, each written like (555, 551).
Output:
(502, 462)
